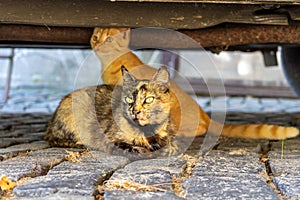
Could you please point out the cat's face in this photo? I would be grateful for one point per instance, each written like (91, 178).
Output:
(110, 40)
(146, 102)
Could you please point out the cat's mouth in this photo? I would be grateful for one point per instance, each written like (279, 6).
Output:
(140, 122)
(98, 49)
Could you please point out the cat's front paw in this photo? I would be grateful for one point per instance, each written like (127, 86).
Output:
(155, 147)
(138, 149)
(141, 142)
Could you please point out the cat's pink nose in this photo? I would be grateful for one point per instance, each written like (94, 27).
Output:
(136, 112)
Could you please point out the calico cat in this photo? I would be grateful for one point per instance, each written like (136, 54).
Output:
(111, 46)
(130, 118)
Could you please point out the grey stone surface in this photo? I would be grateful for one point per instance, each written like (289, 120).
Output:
(221, 162)
(146, 177)
(14, 150)
(22, 128)
(238, 186)
(172, 165)
(152, 172)
(233, 171)
(12, 141)
(33, 164)
(286, 172)
(78, 184)
(56, 197)
(72, 178)
(127, 194)
(288, 185)
(228, 175)
(288, 165)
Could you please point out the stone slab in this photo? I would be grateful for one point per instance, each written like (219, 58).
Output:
(245, 186)
(170, 164)
(288, 185)
(152, 172)
(23, 166)
(14, 150)
(286, 172)
(55, 197)
(288, 165)
(228, 175)
(230, 162)
(72, 178)
(133, 195)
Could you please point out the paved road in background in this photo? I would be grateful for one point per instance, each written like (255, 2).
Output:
(46, 100)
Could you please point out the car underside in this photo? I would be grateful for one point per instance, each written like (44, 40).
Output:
(215, 25)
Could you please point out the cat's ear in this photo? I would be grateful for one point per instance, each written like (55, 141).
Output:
(125, 32)
(162, 76)
(127, 77)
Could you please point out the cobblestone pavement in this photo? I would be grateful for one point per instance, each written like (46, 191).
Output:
(234, 169)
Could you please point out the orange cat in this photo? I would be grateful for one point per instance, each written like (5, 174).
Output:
(111, 46)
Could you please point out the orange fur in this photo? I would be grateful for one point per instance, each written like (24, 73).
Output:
(114, 53)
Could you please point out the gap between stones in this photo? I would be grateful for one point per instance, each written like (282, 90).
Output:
(186, 172)
(42, 169)
(269, 174)
(12, 155)
(99, 194)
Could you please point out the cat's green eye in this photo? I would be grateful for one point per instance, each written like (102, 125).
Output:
(149, 99)
(109, 39)
(128, 100)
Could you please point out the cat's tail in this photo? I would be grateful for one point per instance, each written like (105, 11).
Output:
(259, 131)
(250, 131)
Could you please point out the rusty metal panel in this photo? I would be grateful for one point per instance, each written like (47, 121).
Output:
(245, 34)
(15, 35)
(221, 1)
(221, 36)
(92, 13)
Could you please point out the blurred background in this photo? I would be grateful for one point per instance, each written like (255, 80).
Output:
(40, 77)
